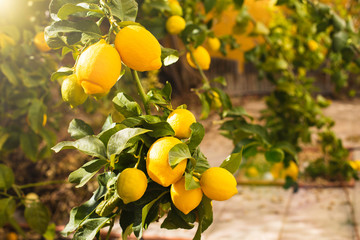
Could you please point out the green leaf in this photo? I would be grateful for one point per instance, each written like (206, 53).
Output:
(196, 136)
(90, 227)
(205, 105)
(220, 80)
(118, 142)
(50, 232)
(274, 155)
(107, 206)
(29, 143)
(90, 145)
(338, 23)
(232, 162)
(79, 129)
(209, 4)
(105, 135)
(82, 175)
(179, 153)
(288, 148)
(124, 10)
(190, 182)
(126, 105)
(36, 115)
(9, 73)
(339, 41)
(162, 96)
(174, 220)
(68, 9)
(7, 209)
(3, 138)
(169, 56)
(202, 163)
(61, 73)
(205, 216)
(37, 216)
(7, 178)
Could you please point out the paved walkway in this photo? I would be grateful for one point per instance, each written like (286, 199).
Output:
(272, 213)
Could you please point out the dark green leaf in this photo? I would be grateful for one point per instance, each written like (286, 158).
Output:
(205, 105)
(36, 115)
(124, 10)
(86, 172)
(126, 105)
(174, 220)
(179, 153)
(29, 143)
(232, 162)
(7, 178)
(339, 41)
(9, 73)
(79, 129)
(274, 155)
(7, 209)
(209, 4)
(37, 216)
(196, 136)
(205, 216)
(90, 227)
(90, 145)
(118, 142)
(108, 205)
(190, 182)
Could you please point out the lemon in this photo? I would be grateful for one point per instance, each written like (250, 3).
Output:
(215, 100)
(72, 92)
(175, 8)
(278, 171)
(214, 44)
(218, 184)
(180, 120)
(40, 43)
(138, 48)
(31, 198)
(157, 162)
(175, 24)
(353, 165)
(44, 119)
(98, 68)
(252, 172)
(185, 200)
(131, 185)
(313, 45)
(11, 236)
(202, 57)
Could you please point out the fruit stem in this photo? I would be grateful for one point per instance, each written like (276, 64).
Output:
(206, 81)
(141, 91)
(110, 228)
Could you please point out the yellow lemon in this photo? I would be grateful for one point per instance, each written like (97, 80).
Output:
(157, 162)
(131, 185)
(175, 8)
(278, 171)
(292, 170)
(180, 120)
(175, 24)
(215, 100)
(313, 45)
(138, 48)
(353, 165)
(252, 172)
(72, 92)
(185, 200)
(98, 68)
(11, 236)
(214, 44)
(44, 119)
(218, 184)
(40, 43)
(202, 57)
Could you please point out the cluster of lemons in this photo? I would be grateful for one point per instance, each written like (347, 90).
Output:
(99, 66)
(96, 71)
(278, 171)
(216, 183)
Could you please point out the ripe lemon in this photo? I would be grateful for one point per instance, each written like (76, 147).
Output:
(157, 162)
(175, 8)
(185, 200)
(278, 171)
(202, 57)
(131, 185)
(175, 24)
(215, 100)
(180, 120)
(11, 236)
(214, 44)
(313, 45)
(252, 172)
(218, 184)
(40, 43)
(138, 48)
(98, 68)
(72, 92)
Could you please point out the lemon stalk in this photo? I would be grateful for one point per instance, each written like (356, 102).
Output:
(110, 228)
(141, 91)
(203, 76)
(42, 183)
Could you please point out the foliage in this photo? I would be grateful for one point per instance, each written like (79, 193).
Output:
(26, 103)
(125, 144)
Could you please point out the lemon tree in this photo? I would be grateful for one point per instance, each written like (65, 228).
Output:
(147, 163)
